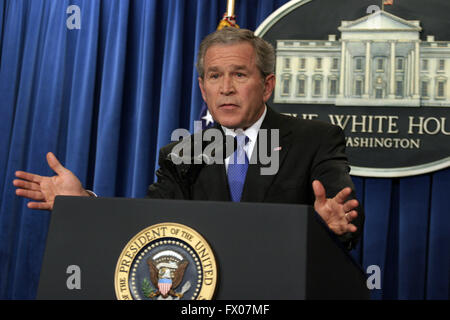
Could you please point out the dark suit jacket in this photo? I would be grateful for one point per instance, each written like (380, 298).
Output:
(310, 150)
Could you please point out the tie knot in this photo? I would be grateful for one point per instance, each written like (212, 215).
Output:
(241, 140)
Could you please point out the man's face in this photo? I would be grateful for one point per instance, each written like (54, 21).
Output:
(233, 87)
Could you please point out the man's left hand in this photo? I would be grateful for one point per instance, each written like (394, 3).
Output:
(338, 212)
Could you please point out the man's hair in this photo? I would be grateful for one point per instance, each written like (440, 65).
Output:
(264, 51)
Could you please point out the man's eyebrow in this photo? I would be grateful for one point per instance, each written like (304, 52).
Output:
(239, 67)
(233, 67)
(212, 69)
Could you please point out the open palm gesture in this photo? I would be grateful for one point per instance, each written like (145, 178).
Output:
(337, 212)
(43, 190)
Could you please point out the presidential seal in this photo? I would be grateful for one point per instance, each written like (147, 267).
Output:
(166, 261)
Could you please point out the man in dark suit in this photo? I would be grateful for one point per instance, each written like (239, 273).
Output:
(236, 78)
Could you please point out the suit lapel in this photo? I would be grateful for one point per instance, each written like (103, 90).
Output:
(256, 185)
(215, 183)
(213, 179)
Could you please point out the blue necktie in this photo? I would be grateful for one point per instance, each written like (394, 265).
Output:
(237, 168)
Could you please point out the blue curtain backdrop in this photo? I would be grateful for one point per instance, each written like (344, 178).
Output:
(106, 97)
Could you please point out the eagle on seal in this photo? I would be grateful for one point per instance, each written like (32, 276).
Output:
(166, 280)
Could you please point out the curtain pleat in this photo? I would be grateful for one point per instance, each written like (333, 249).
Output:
(80, 85)
(413, 233)
(172, 44)
(113, 40)
(137, 132)
(438, 258)
(375, 236)
(105, 98)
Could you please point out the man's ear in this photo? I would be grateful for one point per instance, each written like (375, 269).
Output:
(269, 85)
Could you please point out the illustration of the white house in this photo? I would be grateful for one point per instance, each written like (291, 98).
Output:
(379, 60)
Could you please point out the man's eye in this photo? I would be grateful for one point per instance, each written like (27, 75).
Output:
(214, 76)
(240, 74)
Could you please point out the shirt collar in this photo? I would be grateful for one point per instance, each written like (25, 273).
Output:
(252, 131)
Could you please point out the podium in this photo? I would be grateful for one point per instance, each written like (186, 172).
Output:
(262, 251)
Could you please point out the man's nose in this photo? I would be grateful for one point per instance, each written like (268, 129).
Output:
(227, 87)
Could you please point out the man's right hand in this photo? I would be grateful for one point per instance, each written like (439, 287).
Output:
(43, 190)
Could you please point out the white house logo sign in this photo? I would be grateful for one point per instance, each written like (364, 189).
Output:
(375, 75)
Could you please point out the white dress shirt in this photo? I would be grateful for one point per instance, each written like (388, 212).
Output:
(250, 132)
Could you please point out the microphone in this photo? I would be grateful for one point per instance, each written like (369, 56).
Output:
(212, 152)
